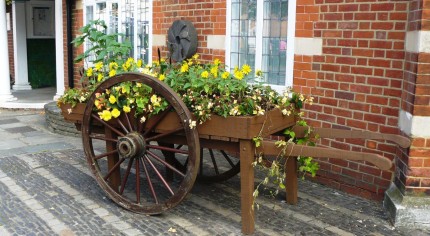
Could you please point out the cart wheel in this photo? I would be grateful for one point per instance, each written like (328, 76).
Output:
(124, 155)
(215, 165)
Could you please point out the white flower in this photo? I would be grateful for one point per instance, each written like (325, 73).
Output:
(210, 105)
(143, 119)
(192, 124)
(284, 100)
(82, 99)
(284, 112)
(69, 110)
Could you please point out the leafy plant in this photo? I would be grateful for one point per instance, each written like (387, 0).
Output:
(103, 46)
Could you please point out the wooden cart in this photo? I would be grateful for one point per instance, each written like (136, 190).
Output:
(149, 167)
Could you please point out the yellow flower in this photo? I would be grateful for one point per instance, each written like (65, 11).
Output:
(246, 69)
(205, 74)
(217, 62)
(155, 100)
(113, 65)
(236, 69)
(99, 66)
(89, 71)
(99, 77)
(139, 63)
(112, 73)
(105, 115)
(214, 71)
(184, 68)
(225, 74)
(112, 99)
(98, 104)
(126, 109)
(115, 113)
(196, 56)
(259, 73)
(238, 75)
(138, 85)
(161, 77)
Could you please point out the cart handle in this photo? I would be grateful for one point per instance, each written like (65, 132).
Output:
(340, 133)
(269, 148)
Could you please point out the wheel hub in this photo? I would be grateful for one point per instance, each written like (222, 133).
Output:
(131, 145)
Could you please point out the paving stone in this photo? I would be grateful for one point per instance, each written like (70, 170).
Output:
(8, 121)
(53, 176)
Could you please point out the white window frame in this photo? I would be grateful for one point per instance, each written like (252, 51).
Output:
(120, 4)
(259, 41)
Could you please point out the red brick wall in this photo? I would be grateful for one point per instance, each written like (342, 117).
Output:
(77, 23)
(10, 44)
(208, 17)
(362, 80)
(413, 172)
(358, 82)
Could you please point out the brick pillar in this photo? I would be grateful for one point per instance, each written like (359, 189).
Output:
(408, 198)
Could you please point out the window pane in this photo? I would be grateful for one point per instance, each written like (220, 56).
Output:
(243, 33)
(274, 41)
(113, 22)
(89, 17)
(101, 13)
(127, 21)
(143, 19)
(89, 14)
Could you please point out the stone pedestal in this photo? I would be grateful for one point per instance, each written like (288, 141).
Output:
(407, 211)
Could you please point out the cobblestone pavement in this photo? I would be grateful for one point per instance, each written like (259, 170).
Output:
(47, 189)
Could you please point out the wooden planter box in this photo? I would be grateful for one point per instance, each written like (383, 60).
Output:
(231, 127)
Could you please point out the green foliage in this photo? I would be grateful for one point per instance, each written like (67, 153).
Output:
(104, 47)
(273, 166)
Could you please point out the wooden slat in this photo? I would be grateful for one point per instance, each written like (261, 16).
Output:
(291, 185)
(340, 133)
(247, 186)
(269, 148)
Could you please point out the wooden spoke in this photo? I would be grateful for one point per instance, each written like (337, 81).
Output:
(165, 163)
(159, 175)
(201, 162)
(114, 168)
(102, 137)
(127, 173)
(213, 161)
(158, 136)
(167, 149)
(160, 118)
(148, 178)
(122, 125)
(107, 125)
(128, 121)
(227, 158)
(105, 154)
(137, 180)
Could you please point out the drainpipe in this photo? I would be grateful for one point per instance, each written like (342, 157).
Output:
(69, 43)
